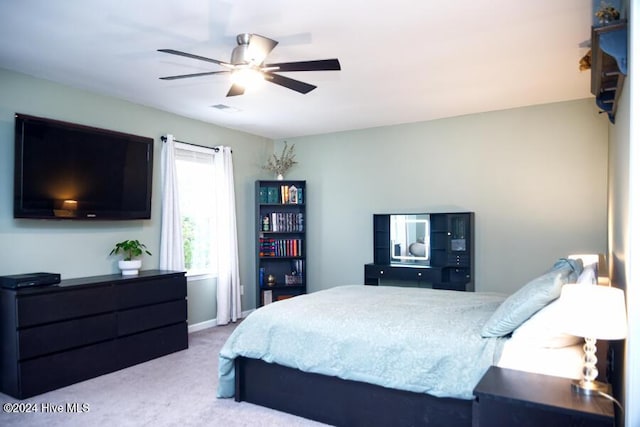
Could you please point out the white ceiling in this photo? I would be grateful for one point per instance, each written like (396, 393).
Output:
(402, 61)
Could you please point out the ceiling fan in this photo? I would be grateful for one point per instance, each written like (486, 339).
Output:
(247, 64)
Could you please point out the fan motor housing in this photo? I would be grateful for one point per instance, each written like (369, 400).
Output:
(240, 53)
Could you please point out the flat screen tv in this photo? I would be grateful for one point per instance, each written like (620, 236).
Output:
(70, 171)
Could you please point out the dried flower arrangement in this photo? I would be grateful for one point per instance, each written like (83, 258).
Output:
(280, 165)
(607, 13)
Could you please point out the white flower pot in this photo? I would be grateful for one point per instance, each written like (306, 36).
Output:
(130, 268)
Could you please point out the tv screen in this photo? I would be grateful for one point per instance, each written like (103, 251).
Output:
(69, 171)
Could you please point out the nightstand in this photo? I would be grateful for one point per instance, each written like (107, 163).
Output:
(506, 397)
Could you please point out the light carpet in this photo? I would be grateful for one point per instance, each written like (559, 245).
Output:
(175, 390)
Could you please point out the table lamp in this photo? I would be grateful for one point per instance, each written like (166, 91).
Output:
(593, 312)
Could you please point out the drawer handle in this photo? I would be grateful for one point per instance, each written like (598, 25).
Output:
(419, 274)
(381, 272)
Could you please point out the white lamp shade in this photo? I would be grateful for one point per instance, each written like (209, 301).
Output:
(594, 311)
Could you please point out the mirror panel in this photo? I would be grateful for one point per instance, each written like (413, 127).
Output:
(409, 239)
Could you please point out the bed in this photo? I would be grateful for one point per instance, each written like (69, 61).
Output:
(383, 355)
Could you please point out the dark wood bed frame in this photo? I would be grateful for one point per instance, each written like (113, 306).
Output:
(339, 402)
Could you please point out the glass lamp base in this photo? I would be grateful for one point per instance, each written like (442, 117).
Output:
(590, 387)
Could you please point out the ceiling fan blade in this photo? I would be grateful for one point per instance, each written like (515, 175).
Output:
(292, 84)
(192, 56)
(318, 65)
(185, 76)
(235, 90)
(259, 47)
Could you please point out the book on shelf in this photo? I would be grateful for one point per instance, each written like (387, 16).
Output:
(272, 194)
(283, 221)
(296, 277)
(284, 194)
(270, 247)
(267, 297)
(297, 267)
(262, 195)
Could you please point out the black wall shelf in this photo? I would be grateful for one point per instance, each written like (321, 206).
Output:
(608, 65)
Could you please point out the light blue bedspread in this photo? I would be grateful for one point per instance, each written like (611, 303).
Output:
(419, 340)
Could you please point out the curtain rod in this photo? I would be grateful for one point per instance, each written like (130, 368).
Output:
(216, 149)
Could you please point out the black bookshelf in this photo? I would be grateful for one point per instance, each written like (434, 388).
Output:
(280, 225)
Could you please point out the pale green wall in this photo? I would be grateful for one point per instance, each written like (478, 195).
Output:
(77, 249)
(536, 178)
(624, 228)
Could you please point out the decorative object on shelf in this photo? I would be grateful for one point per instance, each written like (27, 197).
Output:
(593, 312)
(280, 165)
(271, 280)
(292, 279)
(585, 62)
(607, 13)
(131, 249)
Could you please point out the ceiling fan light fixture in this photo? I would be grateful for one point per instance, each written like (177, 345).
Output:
(248, 78)
(248, 69)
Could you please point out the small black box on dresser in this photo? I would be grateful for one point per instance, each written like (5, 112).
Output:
(29, 279)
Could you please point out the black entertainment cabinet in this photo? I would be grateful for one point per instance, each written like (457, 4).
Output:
(449, 251)
(53, 336)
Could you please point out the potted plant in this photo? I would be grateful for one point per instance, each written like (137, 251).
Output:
(607, 13)
(131, 249)
(280, 165)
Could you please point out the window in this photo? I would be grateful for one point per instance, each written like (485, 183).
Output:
(194, 169)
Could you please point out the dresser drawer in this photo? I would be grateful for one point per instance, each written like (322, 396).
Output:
(62, 305)
(61, 369)
(377, 271)
(458, 260)
(148, 345)
(152, 316)
(53, 337)
(146, 292)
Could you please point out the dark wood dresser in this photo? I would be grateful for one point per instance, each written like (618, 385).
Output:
(53, 336)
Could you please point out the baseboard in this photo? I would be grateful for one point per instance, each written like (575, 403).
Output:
(202, 325)
(212, 323)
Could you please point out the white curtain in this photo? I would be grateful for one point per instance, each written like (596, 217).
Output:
(171, 246)
(226, 237)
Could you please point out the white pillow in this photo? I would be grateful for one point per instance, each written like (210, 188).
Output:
(543, 329)
(588, 276)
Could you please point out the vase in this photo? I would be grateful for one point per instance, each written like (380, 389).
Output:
(130, 268)
(279, 177)
(604, 20)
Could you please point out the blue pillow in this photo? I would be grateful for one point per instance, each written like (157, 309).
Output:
(532, 297)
